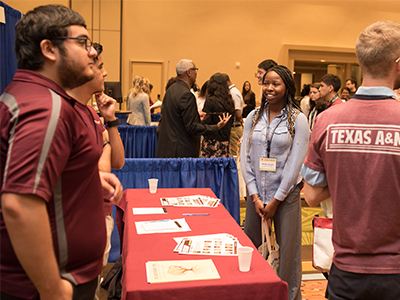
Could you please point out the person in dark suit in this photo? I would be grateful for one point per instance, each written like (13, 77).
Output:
(180, 126)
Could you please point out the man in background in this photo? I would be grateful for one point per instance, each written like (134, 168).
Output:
(180, 128)
(237, 125)
(51, 220)
(330, 85)
(262, 68)
(352, 85)
(354, 158)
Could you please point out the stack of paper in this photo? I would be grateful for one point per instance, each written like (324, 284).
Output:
(181, 270)
(212, 244)
(161, 226)
(193, 201)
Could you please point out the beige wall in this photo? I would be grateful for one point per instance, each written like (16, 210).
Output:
(217, 34)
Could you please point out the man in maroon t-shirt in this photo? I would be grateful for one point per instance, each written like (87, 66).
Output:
(354, 157)
(51, 219)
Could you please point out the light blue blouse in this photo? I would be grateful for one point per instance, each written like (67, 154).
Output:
(277, 184)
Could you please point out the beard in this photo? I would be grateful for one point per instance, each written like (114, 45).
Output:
(71, 74)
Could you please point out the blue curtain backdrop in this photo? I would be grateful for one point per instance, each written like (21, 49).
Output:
(219, 174)
(139, 141)
(8, 59)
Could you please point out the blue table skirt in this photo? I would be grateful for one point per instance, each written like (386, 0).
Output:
(139, 141)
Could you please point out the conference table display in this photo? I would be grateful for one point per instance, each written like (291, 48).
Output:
(198, 263)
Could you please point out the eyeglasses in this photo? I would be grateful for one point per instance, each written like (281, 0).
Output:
(84, 41)
(194, 69)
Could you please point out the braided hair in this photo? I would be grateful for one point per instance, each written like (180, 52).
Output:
(292, 108)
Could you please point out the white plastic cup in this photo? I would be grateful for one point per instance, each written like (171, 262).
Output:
(244, 254)
(153, 185)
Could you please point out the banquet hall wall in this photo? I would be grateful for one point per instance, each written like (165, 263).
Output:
(218, 34)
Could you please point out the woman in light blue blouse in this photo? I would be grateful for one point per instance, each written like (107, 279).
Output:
(275, 143)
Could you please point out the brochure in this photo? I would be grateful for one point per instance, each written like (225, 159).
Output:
(192, 201)
(214, 244)
(181, 270)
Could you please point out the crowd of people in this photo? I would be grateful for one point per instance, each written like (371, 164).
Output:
(56, 158)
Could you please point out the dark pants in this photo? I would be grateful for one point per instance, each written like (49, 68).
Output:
(81, 292)
(346, 285)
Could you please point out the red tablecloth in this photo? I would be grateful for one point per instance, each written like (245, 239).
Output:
(259, 283)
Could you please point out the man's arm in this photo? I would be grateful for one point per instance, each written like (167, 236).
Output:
(111, 186)
(238, 115)
(315, 194)
(28, 227)
(105, 158)
(106, 106)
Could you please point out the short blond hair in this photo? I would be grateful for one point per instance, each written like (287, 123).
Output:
(378, 47)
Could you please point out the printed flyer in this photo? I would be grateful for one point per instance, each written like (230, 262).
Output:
(181, 270)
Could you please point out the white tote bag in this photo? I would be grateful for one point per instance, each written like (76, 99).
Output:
(269, 247)
(322, 244)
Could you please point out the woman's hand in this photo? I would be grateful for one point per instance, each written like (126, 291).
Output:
(258, 205)
(222, 121)
(270, 209)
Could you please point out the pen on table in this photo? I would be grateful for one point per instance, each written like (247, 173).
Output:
(205, 214)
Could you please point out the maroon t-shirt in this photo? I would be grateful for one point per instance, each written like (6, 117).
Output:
(357, 146)
(50, 147)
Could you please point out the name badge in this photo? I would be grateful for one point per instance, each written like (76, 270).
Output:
(268, 164)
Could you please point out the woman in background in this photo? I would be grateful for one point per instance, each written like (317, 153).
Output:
(138, 102)
(249, 98)
(275, 143)
(317, 104)
(346, 93)
(218, 101)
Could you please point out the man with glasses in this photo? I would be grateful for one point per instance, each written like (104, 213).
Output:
(180, 127)
(52, 220)
(354, 157)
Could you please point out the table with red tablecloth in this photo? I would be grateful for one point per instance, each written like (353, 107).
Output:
(259, 283)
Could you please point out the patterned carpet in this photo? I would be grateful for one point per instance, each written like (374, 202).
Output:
(313, 290)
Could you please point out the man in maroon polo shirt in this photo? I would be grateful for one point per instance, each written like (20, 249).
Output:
(51, 220)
